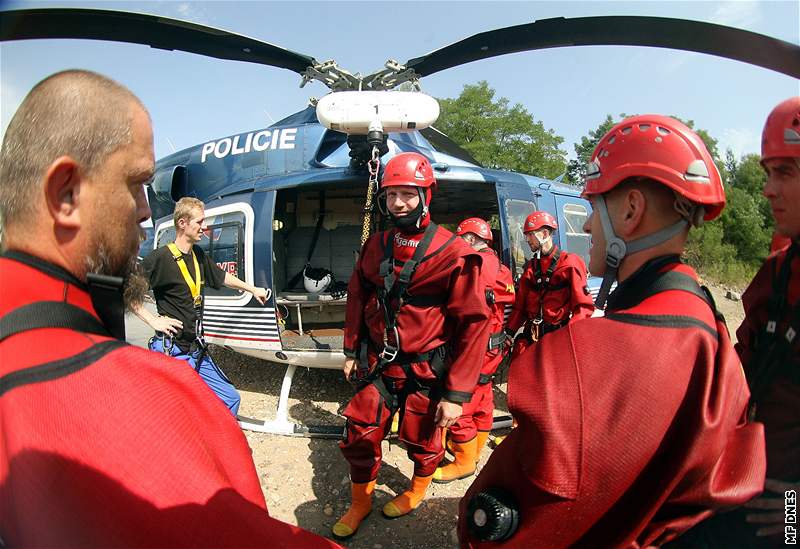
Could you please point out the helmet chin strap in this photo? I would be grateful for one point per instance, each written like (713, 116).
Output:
(617, 248)
(542, 243)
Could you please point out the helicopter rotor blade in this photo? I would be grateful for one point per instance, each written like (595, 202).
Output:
(150, 30)
(660, 32)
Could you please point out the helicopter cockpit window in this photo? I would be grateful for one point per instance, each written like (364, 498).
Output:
(516, 212)
(573, 237)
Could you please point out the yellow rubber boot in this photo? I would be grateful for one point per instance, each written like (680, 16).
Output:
(360, 507)
(408, 500)
(481, 439)
(466, 456)
(497, 441)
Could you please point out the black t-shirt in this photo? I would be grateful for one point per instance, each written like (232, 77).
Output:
(173, 297)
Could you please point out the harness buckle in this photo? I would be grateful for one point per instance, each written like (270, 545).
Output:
(537, 320)
(390, 352)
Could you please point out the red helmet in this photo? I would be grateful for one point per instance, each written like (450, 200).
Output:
(477, 226)
(659, 148)
(781, 135)
(537, 220)
(408, 169)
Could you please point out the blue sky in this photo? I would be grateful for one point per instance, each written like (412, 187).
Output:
(193, 99)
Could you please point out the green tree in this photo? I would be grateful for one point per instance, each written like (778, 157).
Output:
(743, 227)
(733, 247)
(750, 177)
(501, 136)
(576, 169)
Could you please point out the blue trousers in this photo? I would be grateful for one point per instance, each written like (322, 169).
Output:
(214, 377)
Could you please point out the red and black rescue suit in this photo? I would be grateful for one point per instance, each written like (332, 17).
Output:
(632, 427)
(440, 317)
(769, 346)
(477, 414)
(109, 445)
(552, 292)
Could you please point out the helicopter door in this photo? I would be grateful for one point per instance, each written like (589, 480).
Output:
(516, 202)
(572, 213)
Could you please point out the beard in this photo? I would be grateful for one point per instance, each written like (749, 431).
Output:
(124, 265)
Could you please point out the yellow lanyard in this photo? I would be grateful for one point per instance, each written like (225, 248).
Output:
(194, 285)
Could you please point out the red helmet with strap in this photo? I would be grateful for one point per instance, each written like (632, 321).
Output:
(537, 220)
(408, 169)
(659, 148)
(781, 135)
(476, 226)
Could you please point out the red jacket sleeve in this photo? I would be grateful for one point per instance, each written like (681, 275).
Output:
(518, 313)
(467, 307)
(504, 287)
(581, 303)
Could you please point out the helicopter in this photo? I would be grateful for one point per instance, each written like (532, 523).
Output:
(299, 195)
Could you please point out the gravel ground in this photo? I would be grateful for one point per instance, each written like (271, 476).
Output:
(305, 481)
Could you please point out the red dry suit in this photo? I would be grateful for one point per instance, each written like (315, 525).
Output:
(105, 444)
(778, 405)
(550, 294)
(632, 427)
(443, 337)
(772, 367)
(477, 414)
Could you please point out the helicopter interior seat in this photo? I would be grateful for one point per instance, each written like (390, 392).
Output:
(297, 247)
(335, 250)
(345, 244)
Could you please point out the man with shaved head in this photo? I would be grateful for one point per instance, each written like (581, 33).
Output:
(101, 443)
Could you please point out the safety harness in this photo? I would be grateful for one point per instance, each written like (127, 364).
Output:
(195, 285)
(196, 288)
(652, 281)
(497, 340)
(105, 292)
(537, 327)
(392, 296)
(773, 349)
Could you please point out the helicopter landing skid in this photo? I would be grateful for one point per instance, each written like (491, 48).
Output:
(281, 424)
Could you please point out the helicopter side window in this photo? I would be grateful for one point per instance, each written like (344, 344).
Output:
(224, 243)
(516, 212)
(577, 241)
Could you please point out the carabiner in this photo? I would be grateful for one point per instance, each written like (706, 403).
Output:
(167, 347)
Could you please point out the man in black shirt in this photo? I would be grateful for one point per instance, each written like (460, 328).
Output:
(177, 274)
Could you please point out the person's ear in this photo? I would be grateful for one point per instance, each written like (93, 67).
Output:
(632, 208)
(63, 183)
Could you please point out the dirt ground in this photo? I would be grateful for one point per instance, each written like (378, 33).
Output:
(305, 480)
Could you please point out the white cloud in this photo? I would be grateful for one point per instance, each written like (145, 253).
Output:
(189, 11)
(737, 13)
(740, 140)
